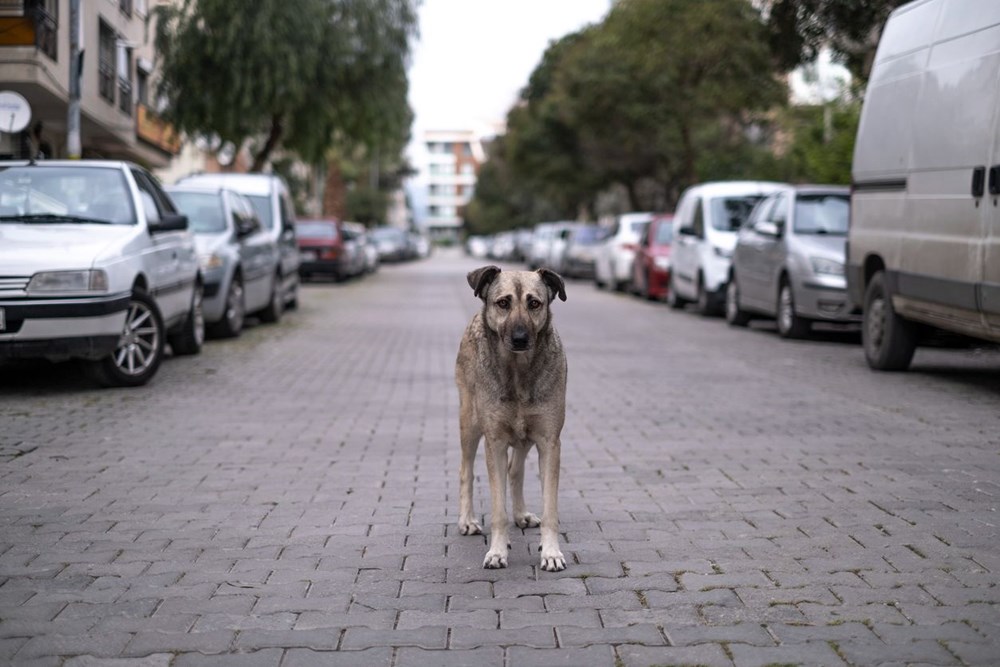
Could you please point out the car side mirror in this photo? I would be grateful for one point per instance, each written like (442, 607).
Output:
(244, 226)
(169, 222)
(686, 231)
(768, 228)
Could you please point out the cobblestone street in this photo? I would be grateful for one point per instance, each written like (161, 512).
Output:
(290, 498)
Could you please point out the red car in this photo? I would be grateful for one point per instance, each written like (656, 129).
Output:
(651, 269)
(321, 248)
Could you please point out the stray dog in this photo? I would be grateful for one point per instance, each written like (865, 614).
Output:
(511, 376)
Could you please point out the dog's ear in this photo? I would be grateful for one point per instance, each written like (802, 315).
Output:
(555, 284)
(480, 279)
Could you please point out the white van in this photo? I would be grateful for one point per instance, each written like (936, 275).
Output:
(924, 242)
(705, 225)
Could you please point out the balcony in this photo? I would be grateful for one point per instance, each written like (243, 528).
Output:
(106, 80)
(125, 96)
(28, 26)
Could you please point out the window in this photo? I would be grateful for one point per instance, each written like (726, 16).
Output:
(46, 16)
(729, 213)
(125, 6)
(142, 88)
(124, 60)
(822, 214)
(106, 62)
(698, 224)
(468, 168)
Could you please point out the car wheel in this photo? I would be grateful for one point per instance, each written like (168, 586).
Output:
(275, 306)
(674, 300)
(139, 351)
(234, 316)
(735, 316)
(790, 324)
(293, 299)
(191, 336)
(888, 339)
(704, 302)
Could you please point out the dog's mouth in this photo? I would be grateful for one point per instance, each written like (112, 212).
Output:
(519, 346)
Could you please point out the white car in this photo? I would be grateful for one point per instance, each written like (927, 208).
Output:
(614, 257)
(95, 264)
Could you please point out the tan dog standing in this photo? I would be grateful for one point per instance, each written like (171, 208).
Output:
(511, 376)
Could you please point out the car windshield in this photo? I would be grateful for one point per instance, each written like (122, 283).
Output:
(316, 230)
(65, 194)
(822, 214)
(587, 234)
(203, 209)
(664, 233)
(729, 213)
(387, 234)
(262, 205)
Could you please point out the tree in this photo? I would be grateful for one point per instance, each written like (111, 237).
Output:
(292, 73)
(797, 29)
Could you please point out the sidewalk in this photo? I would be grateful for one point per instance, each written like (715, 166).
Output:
(290, 498)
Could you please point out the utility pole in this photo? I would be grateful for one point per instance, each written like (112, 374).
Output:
(73, 143)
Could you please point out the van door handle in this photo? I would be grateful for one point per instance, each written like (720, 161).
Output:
(995, 179)
(978, 181)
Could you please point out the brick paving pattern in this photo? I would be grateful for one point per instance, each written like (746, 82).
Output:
(290, 498)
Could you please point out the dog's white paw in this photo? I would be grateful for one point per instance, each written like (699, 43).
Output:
(527, 520)
(553, 561)
(470, 527)
(495, 560)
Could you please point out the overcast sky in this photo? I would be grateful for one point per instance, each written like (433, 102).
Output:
(473, 56)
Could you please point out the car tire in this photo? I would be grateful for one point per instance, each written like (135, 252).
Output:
(674, 300)
(191, 336)
(735, 316)
(790, 324)
(889, 340)
(234, 316)
(139, 351)
(704, 304)
(275, 305)
(293, 299)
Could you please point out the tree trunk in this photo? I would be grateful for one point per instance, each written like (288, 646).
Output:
(334, 192)
(273, 137)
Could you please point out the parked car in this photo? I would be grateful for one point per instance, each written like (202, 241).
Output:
(541, 243)
(578, 257)
(238, 259)
(561, 236)
(503, 247)
(651, 268)
(421, 245)
(789, 261)
(924, 243)
(393, 244)
(272, 201)
(325, 249)
(97, 265)
(366, 243)
(614, 257)
(705, 225)
(523, 239)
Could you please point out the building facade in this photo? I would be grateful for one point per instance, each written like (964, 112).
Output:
(448, 163)
(117, 110)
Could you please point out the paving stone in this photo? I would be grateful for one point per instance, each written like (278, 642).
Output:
(570, 657)
(371, 657)
(480, 657)
(709, 655)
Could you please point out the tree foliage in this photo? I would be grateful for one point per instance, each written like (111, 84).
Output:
(298, 75)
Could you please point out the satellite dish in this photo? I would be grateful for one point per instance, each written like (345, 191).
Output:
(15, 112)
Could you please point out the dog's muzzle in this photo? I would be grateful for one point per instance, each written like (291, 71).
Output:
(519, 339)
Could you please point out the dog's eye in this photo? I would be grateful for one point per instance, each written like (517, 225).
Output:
(534, 304)
(504, 303)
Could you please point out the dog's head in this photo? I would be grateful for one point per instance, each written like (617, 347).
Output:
(516, 303)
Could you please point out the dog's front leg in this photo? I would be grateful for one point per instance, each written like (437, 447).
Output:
(496, 468)
(548, 464)
(515, 472)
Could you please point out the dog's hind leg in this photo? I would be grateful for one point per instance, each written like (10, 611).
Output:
(496, 467)
(515, 472)
(548, 466)
(470, 434)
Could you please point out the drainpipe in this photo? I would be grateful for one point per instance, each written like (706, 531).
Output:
(73, 144)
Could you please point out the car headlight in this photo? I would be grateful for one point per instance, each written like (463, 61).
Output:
(830, 267)
(210, 261)
(722, 252)
(93, 280)
(662, 263)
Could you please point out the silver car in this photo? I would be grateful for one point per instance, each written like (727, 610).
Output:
(789, 261)
(238, 259)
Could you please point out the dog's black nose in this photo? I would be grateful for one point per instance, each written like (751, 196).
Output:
(519, 338)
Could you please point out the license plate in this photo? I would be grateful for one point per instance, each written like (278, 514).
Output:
(3, 320)
(309, 255)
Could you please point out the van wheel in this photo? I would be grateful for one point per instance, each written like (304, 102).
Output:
(790, 325)
(192, 333)
(674, 300)
(704, 304)
(888, 339)
(272, 313)
(735, 316)
(231, 324)
(139, 351)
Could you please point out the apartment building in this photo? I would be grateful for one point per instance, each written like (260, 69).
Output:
(117, 112)
(448, 162)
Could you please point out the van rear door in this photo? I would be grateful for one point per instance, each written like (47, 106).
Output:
(989, 290)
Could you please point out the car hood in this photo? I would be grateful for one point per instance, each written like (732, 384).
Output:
(28, 248)
(821, 245)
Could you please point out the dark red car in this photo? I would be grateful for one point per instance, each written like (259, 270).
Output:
(321, 248)
(651, 269)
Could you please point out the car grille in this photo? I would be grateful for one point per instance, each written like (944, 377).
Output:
(13, 285)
